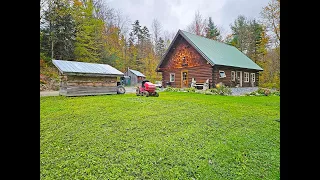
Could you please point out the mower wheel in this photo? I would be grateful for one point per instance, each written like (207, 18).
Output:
(156, 94)
(121, 90)
(146, 93)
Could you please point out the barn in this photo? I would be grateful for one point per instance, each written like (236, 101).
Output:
(80, 78)
(192, 59)
(136, 77)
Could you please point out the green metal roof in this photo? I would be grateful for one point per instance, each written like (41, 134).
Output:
(218, 53)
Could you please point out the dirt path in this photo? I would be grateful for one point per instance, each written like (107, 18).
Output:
(49, 93)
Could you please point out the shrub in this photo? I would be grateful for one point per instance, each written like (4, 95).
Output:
(264, 92)
(191, 89)
(219, 90)
(171, 89)
(223, 90)
(275, 93)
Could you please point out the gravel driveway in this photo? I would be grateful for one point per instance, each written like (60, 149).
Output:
(242, 90)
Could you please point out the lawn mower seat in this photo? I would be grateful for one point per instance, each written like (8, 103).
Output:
(142, 84)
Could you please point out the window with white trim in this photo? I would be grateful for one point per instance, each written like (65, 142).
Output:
(246, 77)
(172, 77)
(253, 77)
(233, 76)
(222, 74)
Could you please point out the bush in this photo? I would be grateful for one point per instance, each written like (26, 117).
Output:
(276, 93)
(219, 90)
(191, 89)
(264, 92)
(223, 90)
(171, 89)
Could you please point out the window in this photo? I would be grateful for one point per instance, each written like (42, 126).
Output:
(253, 77)
(246, 77)
(233, 76)
(171, 77)
(222, 74)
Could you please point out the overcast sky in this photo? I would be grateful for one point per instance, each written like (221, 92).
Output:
(178, 14)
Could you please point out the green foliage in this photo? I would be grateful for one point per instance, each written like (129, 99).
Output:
(88, 34)
(264, 92)
(174, 136)
(223, 90)
(212, 31)
(57, 32)
(190, 89)
(219, 90)
(172, 89)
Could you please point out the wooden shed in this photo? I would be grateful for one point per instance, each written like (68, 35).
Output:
(136, 77)
(192, 59)
(80, 78)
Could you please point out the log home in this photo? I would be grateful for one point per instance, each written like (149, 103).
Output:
(80, 78)
(192, 57)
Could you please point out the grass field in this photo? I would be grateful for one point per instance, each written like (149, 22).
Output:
(174, 136)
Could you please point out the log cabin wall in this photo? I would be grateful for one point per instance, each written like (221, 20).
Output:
(227, 80)
(72, 85)
(183, 57)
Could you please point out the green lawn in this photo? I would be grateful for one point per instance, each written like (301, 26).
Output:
(174, 136)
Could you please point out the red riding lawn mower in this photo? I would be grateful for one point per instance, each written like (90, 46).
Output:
(147, 89)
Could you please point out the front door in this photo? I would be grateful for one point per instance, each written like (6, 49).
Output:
(239, 78)
(184, 79)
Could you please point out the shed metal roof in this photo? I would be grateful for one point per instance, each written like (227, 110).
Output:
(67, 67)
(137, 73)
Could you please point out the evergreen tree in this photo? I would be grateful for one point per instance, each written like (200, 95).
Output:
(212, 31)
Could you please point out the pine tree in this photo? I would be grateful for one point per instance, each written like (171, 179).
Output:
(58, 31)
(212, 31)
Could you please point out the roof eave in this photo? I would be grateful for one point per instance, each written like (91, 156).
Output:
(92, 74)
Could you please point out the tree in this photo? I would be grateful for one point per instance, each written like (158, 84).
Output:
(212, 31)
(240, 32)
(168, 38)
(160, 48)
(88, 33)
(198, 25)
(271, 17)
(156, 30)
(58, 30)
(257, 41)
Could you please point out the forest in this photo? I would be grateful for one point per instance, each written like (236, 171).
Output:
(92, 31)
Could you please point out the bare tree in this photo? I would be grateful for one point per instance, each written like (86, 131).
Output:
(271, 17)
(156, 29)
(43, 5)
(168, 37)
(121, 22)
(103, 12)
(198, 25)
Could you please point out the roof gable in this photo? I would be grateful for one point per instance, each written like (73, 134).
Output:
(74, 67)
(216, 53)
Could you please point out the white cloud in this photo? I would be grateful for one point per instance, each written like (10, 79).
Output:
(177, 14)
